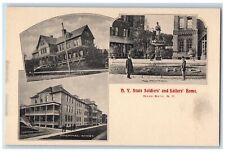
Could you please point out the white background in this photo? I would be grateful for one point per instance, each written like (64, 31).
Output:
(114, 3)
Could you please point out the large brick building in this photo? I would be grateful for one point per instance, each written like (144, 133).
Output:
(55, 107)
(189, 36)
(121, 33)
(52, 51)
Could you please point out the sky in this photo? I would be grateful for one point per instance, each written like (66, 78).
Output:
(165, 21)
(98, 24)
(94, 87)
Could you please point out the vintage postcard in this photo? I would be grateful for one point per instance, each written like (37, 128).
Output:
(113, 76)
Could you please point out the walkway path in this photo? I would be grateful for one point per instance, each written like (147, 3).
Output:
(61, 133)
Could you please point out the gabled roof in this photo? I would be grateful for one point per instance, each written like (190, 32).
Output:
(54, 89)
(75, 33)
(54, 41)
(48, 39)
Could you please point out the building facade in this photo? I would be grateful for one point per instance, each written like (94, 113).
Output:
(99, 116)
(55, 107)
(52, 51)
(104, 118)
(121, 33)
(189, 37)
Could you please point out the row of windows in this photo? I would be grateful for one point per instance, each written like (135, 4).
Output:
(79, 111)
(115, 32)
(69, 109)
(182, 23)
(86, 120)
(43, 50)
(70, 44)
(46, 99)
(68, 118)
(74, 55)
(78, 119)
(188, 45)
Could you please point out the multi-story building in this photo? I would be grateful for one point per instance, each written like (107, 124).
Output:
(55, 107)
(121, 33)
(93, 115)
(104, 118)
(52, 51)
(99, 116)
(189, 37)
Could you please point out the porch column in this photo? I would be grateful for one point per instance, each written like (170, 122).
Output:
(45, 115)
(53, 118)
(39, 117)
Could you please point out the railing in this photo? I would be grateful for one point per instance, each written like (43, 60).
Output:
(54, 112)
(46, 122)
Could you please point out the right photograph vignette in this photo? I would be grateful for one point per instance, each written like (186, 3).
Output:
(158, 48)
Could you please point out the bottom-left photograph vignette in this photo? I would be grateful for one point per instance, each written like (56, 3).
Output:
(71, 108)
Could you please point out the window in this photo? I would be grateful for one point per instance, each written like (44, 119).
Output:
(35, 101)
(47, 98)
(81, 53)
(69, 118)
(66, 108)
(75, 43)
(189, 22)
(181, 23)
(53, 97)
(189, 44)
(116, 31)
(61, 47)
(68, 45)
(65, 117)
(181, 45)
(43, 50)
(204, 45)
(128, 33)
(41, 100)
(124, 32)
(74, 55)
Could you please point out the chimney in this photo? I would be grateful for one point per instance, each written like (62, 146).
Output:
(63, 30)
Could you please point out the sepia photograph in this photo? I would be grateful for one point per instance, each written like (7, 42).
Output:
(64, 109)
(80, 76)
(158, 48)
(67, 45)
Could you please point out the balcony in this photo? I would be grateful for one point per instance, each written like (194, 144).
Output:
(47, 112)
(44, 109)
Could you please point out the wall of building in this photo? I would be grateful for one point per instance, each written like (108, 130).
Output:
(185, 32)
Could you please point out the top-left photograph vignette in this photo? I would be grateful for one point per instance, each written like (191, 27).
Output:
(65, 46)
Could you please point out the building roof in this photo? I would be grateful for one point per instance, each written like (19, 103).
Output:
(54, 41)
(49, 39)
(54, 89)
(74, 33)
(59, 88)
